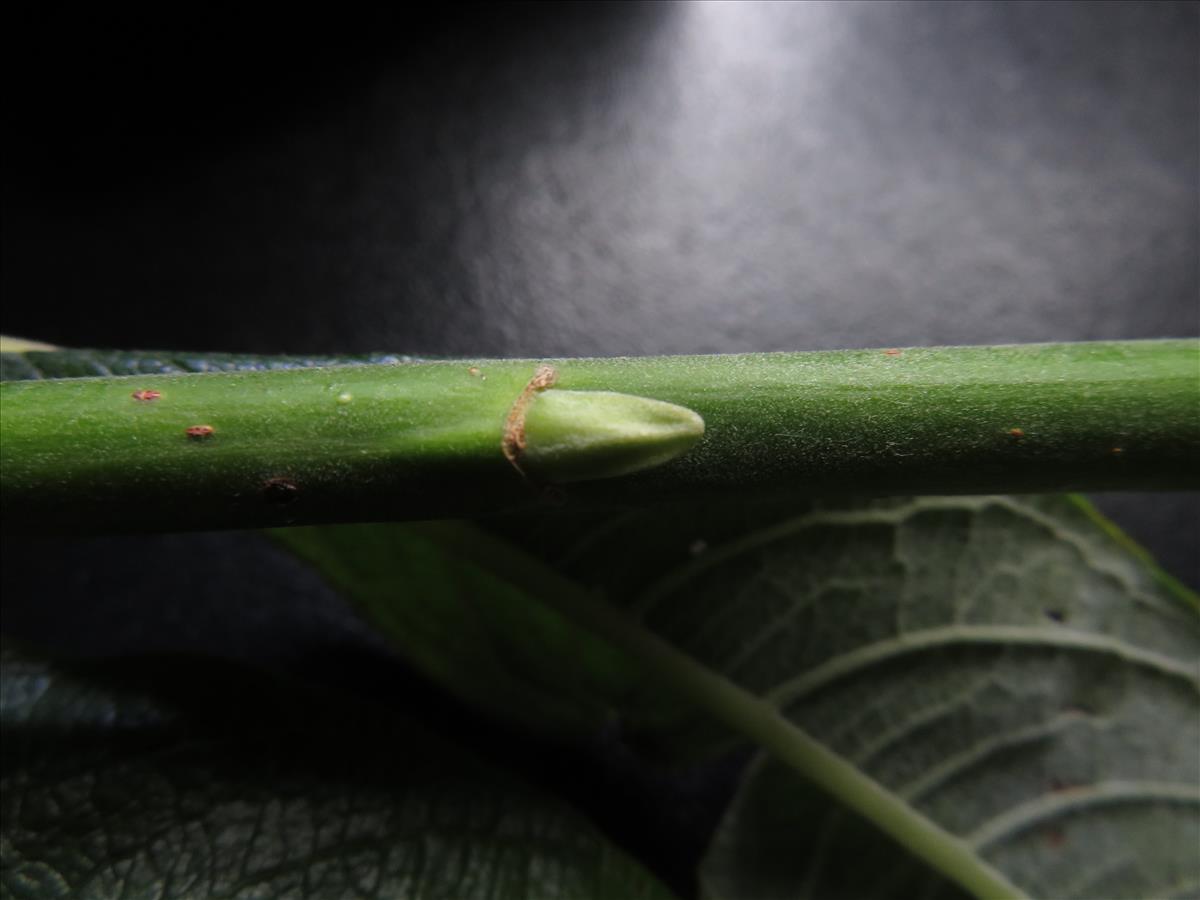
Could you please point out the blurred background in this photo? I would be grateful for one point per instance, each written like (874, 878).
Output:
(560, 179)
(567, 179)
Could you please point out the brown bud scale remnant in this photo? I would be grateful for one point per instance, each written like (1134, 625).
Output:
(893, 352)
(146, 395)
(1016, 432)
(513, 442)
(199, 432)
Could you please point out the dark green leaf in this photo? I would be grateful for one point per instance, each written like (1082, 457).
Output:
(37, 364)
(475, 613)
(1002, 669)
(162, 779)
(463, 607)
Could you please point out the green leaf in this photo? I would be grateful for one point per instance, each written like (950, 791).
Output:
(471, 611)
(463, 607)
(999, 666)
(996, 691)
(147, 779)
(26, 365)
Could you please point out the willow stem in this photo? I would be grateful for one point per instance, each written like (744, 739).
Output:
(436, 439)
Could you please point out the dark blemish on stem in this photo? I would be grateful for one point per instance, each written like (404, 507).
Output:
(1055, 615)
(200, 432)
(280, 491)
(513, 442)
(146, 395)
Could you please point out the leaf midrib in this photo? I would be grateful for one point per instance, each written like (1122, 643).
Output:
(753, 717)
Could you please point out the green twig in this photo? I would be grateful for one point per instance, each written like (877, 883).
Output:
(431, 439)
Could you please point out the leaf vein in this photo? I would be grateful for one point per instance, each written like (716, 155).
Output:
(869, 655)
(972, 756)
(1062, 803)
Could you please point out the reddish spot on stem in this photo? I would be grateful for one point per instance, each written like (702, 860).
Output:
(473, 371)
(146, 395)
(1117, 451)
(200, 432)
(893, 352)
(1017, 432)
(1055, 837)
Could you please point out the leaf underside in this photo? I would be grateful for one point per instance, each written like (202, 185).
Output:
(1003, 666)
(156, 779)
(996, 663)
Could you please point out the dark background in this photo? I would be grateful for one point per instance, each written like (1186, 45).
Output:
(576, 180)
